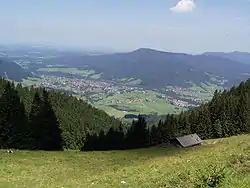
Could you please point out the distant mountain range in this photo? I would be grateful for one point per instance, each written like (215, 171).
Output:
(242, 57)
(155, 69)
(12, 70)
(158, 69)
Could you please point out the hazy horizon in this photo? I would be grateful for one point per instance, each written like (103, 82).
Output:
(188, 27)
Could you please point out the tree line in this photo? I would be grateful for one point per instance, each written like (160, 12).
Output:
(227, 114)
(39, 119)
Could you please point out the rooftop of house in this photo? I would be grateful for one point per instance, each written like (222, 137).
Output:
(189, 140)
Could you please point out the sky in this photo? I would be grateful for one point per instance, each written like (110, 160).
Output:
(190, 26)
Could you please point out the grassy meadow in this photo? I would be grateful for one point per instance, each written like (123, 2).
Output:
(82, 72)
(136, 102)
(226, 160)
(32, 81)
(203, 92)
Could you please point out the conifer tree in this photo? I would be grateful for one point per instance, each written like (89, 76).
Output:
(204, 126)
(217, 129)
(243, 112)
(2, 119)
(36, 123)
(161, 130)
(154, 136)
(12, 117)
(141, 132)
(51, 133)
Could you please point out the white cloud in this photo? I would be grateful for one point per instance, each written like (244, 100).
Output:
(240, 18)
(184, 6)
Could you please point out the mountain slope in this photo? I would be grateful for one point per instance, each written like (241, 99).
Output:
(12, 70)
(243, 57)
(75, 118)
(152, 167)
(157, 68)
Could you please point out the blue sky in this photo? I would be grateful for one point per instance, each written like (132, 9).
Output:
(192, 26)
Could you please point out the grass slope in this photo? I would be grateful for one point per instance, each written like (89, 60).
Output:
(136, 102)
(68, 70)
(154, 167)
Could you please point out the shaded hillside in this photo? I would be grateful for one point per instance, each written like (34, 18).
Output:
(39, 119)
(13, 71)
(227, 114)
(243, 57)
(158, 69)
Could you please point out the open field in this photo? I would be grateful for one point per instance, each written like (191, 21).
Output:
(117, 101)
(96, 76)
(130, 81)
(204, 92)
(32, 81)
(111, 111)
(136, 102)
(82, 72)
(154, 167)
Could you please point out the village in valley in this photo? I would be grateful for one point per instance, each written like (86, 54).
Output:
(119, 98)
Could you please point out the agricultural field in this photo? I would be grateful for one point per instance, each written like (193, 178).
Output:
(130, 81)
(74, 71)
(123, 96)
(223, 163)
(96, 76)
(203, 92)
(32, 81)
(136, 102)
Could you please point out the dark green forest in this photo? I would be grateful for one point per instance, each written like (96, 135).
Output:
(35, 118)
(227, 114)
(12, 70)
(39, 119)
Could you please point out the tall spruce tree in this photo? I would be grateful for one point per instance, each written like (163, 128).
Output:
(243, 112)
(12, 117)
(2, 119)
(36, 123)
(154, 136)
(141, 132)
(204, 124)
(51, 132)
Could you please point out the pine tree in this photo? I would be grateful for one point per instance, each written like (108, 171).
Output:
(90, 142)
(193, 119)
(204, 124)
(12, 117)
(141, 132)
(186, 125)
(161, 132)
(102, 145)
(243, 112)
(2, 120)
(119, 138)
(35, 123)
(109, 141)
(154, 136)
(217, 129)
(129, 137)
(20, 131)
(51, 133)
(215, 107)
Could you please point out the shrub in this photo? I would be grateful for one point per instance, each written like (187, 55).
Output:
(214, 177)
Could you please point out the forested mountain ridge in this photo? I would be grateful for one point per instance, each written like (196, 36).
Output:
(12, 71)
(33, 118)
(227, 114)
(157, 68)
(243, 57)
(44, 120)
